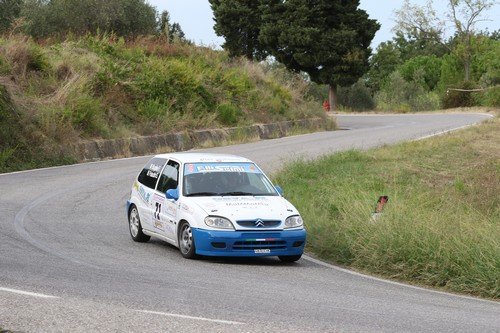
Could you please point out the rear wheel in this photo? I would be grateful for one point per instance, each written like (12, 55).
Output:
(135, 227)
(290, 258)
(186, 241)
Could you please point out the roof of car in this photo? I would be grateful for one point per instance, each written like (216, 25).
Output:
(203, 157)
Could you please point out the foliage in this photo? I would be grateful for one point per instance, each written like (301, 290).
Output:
(400, 95)
(173, 32)
(9, 11)
(441, 224)
(106, 87)
(459, 98)
(239, 23)
(429, 65)
(357, 97)
(464, 14)
(330, 41)
(123, 17)
(491, 97)
(385, 60)
(228, 114)
(415, 43)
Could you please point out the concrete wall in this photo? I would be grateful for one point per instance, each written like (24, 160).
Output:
(144, 145)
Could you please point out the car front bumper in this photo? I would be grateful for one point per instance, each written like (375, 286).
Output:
(248, 243)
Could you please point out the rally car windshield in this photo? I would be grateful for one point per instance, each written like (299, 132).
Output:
(225, 179)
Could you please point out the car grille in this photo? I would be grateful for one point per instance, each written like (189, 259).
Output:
(259, 244)
(259, 223)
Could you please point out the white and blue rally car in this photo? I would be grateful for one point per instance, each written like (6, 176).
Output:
(214, 205)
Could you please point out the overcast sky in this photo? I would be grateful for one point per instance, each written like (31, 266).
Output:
(196, 18)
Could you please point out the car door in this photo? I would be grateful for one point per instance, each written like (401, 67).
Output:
(165, 213)
(147, 181)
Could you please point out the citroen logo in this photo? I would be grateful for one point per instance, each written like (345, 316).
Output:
(259, 223)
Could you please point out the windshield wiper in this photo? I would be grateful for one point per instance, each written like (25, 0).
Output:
(236, 193)
(202, 194)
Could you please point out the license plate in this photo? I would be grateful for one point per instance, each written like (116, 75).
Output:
(262, 251)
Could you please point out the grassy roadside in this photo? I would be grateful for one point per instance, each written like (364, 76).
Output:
(441, 226)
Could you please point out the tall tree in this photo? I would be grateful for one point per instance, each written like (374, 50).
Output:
(9, 11)
(238, 21)
(172, 32)
(463, 14)
(328, 39)
(385, 61)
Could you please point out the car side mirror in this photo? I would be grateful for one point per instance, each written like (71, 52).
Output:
(279, 190)
(172, 194)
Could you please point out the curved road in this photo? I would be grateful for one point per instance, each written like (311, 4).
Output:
(67, 262)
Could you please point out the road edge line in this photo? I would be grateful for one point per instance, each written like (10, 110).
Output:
(27, 293)
(221, 321)
(396, 283)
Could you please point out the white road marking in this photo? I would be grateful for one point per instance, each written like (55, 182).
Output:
(443, 132)
(27, 293)
(348, 271)
(191, 317)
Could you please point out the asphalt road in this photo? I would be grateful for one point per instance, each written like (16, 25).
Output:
(64, 239)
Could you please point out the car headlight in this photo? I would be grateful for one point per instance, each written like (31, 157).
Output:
(294, 222)
(218, 222)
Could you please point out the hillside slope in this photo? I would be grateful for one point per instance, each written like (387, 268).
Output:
(56, 93)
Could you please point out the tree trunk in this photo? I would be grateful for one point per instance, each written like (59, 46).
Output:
(332, 97)
(467, 69)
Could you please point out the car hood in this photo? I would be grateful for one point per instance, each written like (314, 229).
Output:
(246, 207)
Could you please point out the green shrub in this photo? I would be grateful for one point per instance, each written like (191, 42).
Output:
(457, 98)
(152, 109)
(491, 97)
(86, 114)
(399, 95)
(357, 97)
(228, 114)
(430, 66)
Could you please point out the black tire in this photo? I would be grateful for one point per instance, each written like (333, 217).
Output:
(290, 258)
(185, 239)
(135, 226)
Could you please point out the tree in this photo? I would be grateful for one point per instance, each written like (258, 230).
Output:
(9, 11)
(172, 32)
(123, 17)
(429, 66)
(385, 61)
(415, 43)
(239, 23)
(463, 14)
(328, 39)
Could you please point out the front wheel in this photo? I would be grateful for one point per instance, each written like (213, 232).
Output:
(135, 227)
(290, 258)
(186, 241)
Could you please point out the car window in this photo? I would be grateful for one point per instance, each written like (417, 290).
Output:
(223, 179)
(151, 171)
(169, 178)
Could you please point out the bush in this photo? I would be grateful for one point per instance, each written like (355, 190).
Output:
(399, 95)
(356, 97)
(430, 66)
(491, 97)
(59, 17)
(228, 114)
(456, 98)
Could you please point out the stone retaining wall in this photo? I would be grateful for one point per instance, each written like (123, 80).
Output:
(144, 145)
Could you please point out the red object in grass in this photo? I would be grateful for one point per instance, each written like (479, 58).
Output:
(326, 106)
